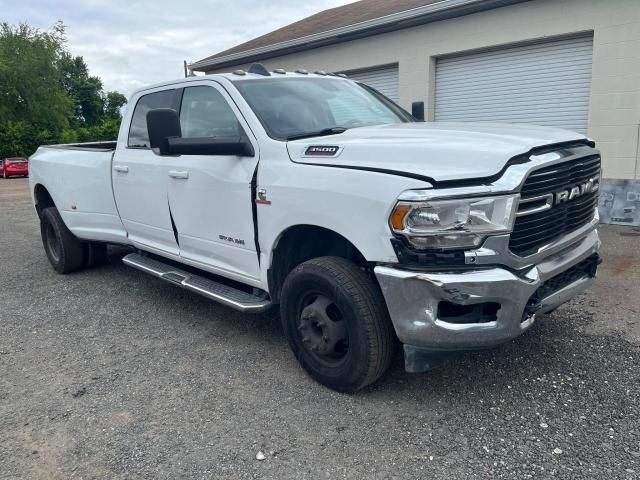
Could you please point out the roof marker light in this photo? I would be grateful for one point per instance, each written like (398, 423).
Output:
(259, 69)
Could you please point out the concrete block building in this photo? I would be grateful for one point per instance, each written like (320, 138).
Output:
(573, 64)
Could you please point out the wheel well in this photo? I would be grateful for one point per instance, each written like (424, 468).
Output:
(301, 243)
(42, 199)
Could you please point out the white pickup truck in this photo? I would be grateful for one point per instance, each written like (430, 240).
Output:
(317, 194)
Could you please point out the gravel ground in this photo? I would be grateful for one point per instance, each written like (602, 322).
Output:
(111, 374)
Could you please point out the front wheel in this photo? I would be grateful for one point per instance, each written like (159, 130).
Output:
(336, 323)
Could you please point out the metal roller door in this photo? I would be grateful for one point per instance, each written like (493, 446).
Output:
(385, 80)
(544, 83)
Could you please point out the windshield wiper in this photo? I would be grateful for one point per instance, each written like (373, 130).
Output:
(320, 133)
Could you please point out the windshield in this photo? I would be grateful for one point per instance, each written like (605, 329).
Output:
(297, 107)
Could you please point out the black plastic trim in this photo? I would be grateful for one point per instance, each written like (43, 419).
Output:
(177, 100)
(272, 281)
(410, 257)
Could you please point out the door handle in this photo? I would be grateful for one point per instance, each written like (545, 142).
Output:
(121, 168)
(182, 175)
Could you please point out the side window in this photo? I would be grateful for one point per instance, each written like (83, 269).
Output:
(138, 134)
(206, 113)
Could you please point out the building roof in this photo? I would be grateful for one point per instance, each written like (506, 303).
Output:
(329, 19)
(361, 18)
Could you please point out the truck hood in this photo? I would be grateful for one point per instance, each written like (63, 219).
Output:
(440, 151)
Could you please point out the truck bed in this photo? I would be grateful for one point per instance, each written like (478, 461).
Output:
(78, 178)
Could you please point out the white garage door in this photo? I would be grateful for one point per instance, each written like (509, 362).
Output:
(385, 80)
(544, 83)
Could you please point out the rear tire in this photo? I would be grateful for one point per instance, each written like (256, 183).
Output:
(64, 250)
(336, 323)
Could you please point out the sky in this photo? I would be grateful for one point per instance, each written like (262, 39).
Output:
(130, 44)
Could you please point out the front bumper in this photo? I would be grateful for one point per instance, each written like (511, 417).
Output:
(415, 299)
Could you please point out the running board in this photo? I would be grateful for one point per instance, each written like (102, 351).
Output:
(229, 296)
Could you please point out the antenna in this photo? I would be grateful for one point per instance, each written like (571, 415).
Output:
(259, 69)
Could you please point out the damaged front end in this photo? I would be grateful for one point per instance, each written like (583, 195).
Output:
(435, 312)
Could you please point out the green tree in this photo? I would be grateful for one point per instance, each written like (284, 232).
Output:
(47, 95)
(84, 90)
(114, 101)
(30, 82)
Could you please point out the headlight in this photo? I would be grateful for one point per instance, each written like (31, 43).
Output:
(455, 223)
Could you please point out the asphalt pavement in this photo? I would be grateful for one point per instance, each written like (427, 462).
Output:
(108, 373)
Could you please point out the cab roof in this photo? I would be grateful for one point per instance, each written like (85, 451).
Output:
(240, 75)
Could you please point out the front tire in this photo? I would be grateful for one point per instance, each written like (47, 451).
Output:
(336, 323)
(64, 250)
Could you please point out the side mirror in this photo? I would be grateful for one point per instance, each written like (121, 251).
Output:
(162, 124)
(417, 110)
(165, 137)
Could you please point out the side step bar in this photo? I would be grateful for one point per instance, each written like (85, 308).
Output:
(229, 296)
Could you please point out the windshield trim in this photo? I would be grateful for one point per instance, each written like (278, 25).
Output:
(403, 115)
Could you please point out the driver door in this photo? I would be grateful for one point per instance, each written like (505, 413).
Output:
(210, 196)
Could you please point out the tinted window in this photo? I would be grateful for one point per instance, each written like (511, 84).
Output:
(138, 134)
(206, 113)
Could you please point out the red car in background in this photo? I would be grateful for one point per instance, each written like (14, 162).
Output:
(14, 166)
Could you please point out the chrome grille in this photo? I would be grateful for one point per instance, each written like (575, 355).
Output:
(532, 231)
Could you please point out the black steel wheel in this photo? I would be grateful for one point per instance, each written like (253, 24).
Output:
(336, 323)
(323, 329)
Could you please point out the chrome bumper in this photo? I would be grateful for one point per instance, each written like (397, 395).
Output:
(413, 299)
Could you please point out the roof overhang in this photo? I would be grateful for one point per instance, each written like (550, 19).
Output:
(416, 16)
